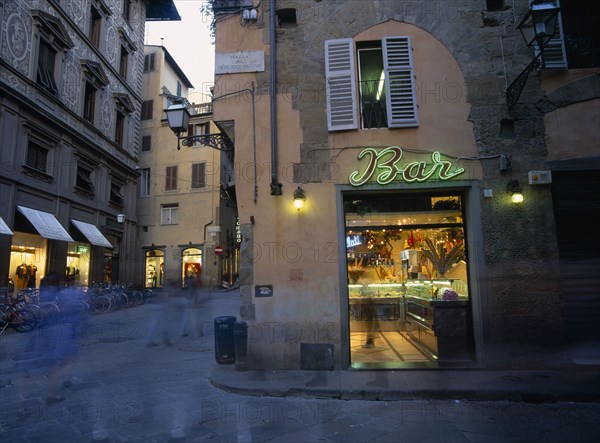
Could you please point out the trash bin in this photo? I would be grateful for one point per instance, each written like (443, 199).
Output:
(224, 340)
(240, 335)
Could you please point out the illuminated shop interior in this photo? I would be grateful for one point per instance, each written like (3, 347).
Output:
(407, 279)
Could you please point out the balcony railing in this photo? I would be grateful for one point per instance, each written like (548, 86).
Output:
(201, 108)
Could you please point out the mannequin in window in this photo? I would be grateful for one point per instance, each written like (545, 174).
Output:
(22, 276)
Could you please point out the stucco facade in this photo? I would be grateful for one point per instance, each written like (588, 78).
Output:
(464, 57)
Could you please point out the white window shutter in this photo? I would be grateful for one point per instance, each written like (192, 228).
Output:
(400, 82)
(340, 85)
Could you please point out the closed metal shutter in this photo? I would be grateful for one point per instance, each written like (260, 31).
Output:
(576, 198)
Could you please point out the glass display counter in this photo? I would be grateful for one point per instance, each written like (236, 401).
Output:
(381, 305)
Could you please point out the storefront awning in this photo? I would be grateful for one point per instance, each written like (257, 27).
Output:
(4, 229)
(46, 224)
(92, 233)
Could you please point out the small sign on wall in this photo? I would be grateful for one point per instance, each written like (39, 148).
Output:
(263, 291)
(236, 62)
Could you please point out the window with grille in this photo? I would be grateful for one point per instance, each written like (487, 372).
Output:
(37, 157)
(147, 106)
(171, 178)
(169, 214)
(199, 175)
(145, 182)
(386, 84)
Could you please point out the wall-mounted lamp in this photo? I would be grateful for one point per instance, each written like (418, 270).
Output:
(120, 218)
(178, 117)
(515, 191)
(299, 198)
(250, 15)
(537, 27)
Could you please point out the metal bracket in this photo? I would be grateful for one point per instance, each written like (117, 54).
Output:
(220, 142)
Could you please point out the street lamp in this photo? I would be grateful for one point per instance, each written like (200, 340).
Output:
(178, 118)
(537, 27)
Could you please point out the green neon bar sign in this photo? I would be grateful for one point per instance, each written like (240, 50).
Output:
(384, 165)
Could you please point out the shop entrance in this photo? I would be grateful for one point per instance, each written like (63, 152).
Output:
(408, 292)
(155, 261)
(191, 267)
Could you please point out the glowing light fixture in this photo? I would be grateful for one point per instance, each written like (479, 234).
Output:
(515, 190)
(299, 198)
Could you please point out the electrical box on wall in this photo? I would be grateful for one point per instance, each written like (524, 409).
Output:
(540, 177)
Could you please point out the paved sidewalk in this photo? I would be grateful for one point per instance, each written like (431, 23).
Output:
(476, 384)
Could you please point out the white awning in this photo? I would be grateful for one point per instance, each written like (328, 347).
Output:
(92, 233)
(4, 229)
(46, 224)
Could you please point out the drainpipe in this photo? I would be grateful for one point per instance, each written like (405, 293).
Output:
(275, 185)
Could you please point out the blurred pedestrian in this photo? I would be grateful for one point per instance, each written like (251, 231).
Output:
(158, 325)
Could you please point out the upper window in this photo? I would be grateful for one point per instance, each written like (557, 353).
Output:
(84, 179)
(146, 143)
(116, 196)
(95, 78)
(127, 10)
(37, 157)
(198, 175)
(53, 40)
(147, 109)
(169, 214)
(145, 182)
(171, 178)
(386, 84)
(95, 25)
(89, 102)
(46, 67)
(149, 60)
(124, 107)
(127, 47)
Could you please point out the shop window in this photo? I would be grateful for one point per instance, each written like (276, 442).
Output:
(386, 84)
(191, 268)
(171, 178)
(145, 182)
(154, 267)
(406, 257)
(199, 175)
(147, 106)
(169, 214)
(149, 62)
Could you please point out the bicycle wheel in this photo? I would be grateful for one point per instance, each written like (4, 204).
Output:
(101, 304)
(23, 320)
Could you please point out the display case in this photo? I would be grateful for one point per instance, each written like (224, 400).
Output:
(379, 303)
